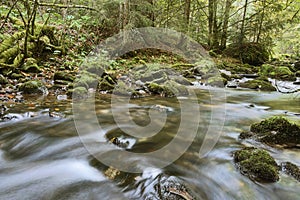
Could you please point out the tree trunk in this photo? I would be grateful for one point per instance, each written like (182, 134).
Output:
(225, 24)
(213, 32)
(261, 22)
(242, 34)
(187, 12)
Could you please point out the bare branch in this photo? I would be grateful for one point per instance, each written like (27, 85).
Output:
(66, 6)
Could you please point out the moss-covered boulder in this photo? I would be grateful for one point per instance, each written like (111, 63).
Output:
(257, 164)
(87, 80)
(30, 65)
(161, 90)
(79, 93)
(250, 53)
(277, 131)
(258, 84)
(291, 169)
(168, 89)
(63, 75)
(32, 87)
(278, 72)
(218, 81)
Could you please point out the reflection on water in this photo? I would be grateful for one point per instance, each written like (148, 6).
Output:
(42, 157)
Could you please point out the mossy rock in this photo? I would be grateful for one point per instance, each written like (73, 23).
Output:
(63, 75)
(250, 53)
(258, 84)
(124, 90)
(277, 131)
(95, 69)
(104, 85)
(218, 81)
(32, 87)
(161, 90)
(277, 72)
(87, 80)
(297, 74)
(3, 80)
(291, 169)
(31, 65)
(168, 89)
(257, 164)
(79, 93)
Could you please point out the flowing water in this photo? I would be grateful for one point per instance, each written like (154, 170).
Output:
(42, 156)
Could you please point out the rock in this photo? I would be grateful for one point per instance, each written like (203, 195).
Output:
(257, 164)
(296, 83)
(79, 93)
(297, 66)
(63, 75)
(297, 74)
(168, 89)
(31, 66)
(181, 80)
(250, 53)
(33, 87)
(277, 72)
(258, 84)
(249, 75)
(277, 131)
(155, 88)
(3, 80)
(291, 169)
(217, 81)
(86, 80)
(95, 69)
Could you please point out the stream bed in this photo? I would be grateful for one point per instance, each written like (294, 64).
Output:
(43, 157)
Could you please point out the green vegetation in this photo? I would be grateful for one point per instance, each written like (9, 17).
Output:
(277, 130)
(257, 164)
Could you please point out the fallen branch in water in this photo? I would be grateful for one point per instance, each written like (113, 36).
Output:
(182, 194)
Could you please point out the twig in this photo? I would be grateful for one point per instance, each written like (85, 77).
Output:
(66, 6)
(12, 7)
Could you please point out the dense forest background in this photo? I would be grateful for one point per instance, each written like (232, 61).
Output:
(65, 26)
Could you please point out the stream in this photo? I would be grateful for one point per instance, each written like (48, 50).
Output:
(42, 156)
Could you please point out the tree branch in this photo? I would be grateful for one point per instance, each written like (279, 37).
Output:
(66, 6)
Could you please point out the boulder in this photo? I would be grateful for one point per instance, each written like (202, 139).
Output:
(258, 84)
(33, 87)
(257, 164)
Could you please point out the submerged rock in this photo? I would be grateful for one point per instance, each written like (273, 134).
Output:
(257, 164)
(291, 169)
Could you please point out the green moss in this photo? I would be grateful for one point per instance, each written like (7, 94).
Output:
(79, 93)
(31, 65)
(258, 84)
(217, 81)
(161, 90)
(3, 80)
(257, 164)
(277, 130)
(31, 87)
(291, 169)
(277, 72)
(63, 75)
(250, 53)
